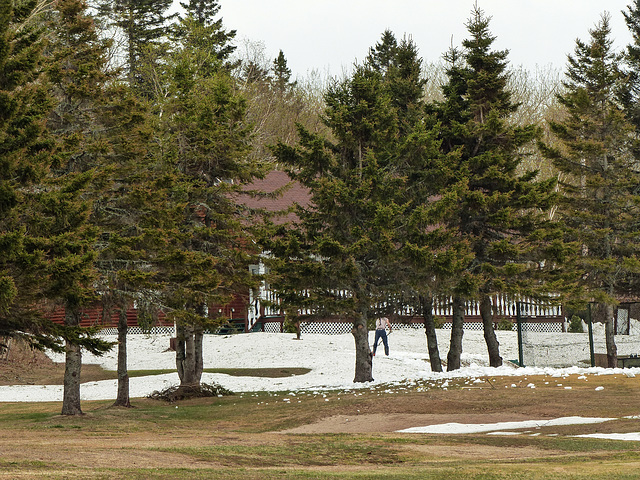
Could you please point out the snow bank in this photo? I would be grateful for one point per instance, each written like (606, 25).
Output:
(331, 359)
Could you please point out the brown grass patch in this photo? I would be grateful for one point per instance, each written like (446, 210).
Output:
(332, 435)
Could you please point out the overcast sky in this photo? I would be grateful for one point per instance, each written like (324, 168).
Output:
(328, 35)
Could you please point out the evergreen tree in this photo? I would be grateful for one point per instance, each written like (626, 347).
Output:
(253, 73)
(24, 151)
(203, 12)
(282, 73)
(144, 25)
(344, 256)
(205, 141)
(630, 92)
(401, 67)
(599, 209)
(77, 79)
(419, 160)
(496, 210)
(126, 214)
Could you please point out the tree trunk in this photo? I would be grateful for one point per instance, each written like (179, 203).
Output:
(430, 332)
(609, 330)
(455, 347)
(493, 346)
(180, 350)
(72, 367)
(189, 362)
(122, 399)
(364, 364)
(189, 354)
(298, 332)
(198, 354)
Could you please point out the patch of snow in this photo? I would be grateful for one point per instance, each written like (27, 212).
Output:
(634, 437)
(330, 358)
(457, 428)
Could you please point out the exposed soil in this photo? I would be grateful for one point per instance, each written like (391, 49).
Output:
(22, 365)
(392, 422)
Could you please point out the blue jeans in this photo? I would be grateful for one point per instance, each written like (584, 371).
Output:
(381, 333)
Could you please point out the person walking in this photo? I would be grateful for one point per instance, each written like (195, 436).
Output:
(382, 324)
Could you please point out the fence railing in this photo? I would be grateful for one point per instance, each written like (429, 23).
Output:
(503, 305)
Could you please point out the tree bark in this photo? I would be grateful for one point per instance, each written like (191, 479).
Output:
(364, 364)
(189, 361)
(180, 350)
(198, 354)
(609, 331)
(122, 399)
(72, 368)
(457, 324)
(189, 358)
(298, 332)
(430, 332)
(493, 346)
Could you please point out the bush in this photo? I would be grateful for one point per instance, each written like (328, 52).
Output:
(438, 321)
(505, 324)
(575, 324)
(289, 326)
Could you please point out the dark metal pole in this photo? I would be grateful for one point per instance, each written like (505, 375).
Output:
(593, 356)
(519, 323)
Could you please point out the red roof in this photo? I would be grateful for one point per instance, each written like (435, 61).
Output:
(293, 193)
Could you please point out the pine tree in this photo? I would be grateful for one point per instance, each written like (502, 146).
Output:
(401, 68)
(204, 13)
(204, 156)
(77, 77)
(24, 151)
(630, 93)
(282, 74)
(144, 24)
(418, 158)
(343, 257)
(599, 210)
(496, 208)
(126, 214)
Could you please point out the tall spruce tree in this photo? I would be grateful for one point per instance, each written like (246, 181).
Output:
(205, 142)
(144, 25)
(217, 41)
(630, 92)
(282, 74)
(24, 154)
(77, 77)
(344, 256)
(497, 208)
(419, 160)
(128, 218)
(599, 210)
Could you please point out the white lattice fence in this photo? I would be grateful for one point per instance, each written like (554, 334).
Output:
(158, 330)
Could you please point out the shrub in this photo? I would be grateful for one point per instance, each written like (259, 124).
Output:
(438, 321)
(289, 326)
(505, 324)
(575, 324)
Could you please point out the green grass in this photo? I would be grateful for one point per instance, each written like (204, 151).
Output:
(318, 450)
(240, 437)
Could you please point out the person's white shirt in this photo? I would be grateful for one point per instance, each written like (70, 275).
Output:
(382, 323)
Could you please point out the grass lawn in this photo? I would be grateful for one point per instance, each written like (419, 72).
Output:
(342, 435)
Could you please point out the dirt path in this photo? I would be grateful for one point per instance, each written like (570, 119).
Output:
(392, 422)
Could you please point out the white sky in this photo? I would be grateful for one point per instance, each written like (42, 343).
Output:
(331, 34)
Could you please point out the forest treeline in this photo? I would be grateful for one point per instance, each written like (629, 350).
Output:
(127, 135)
